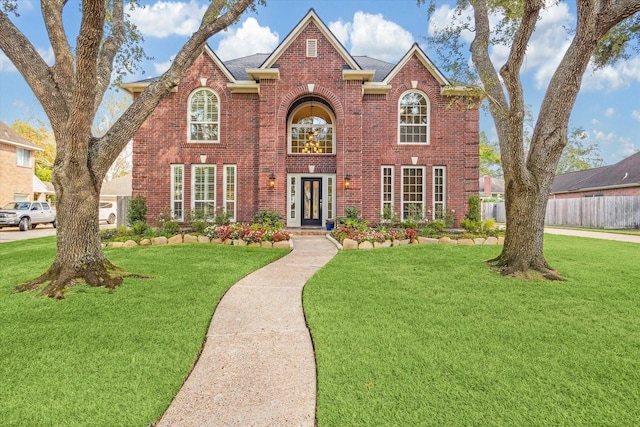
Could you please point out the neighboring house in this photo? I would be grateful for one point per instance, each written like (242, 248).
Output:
(309, 130)
(17, 166)
(491, 188)
(619, 179)
(116, 187)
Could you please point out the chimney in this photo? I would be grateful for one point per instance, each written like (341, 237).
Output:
(487, 186)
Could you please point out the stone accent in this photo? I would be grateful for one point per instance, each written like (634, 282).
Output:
(266, 244)
(217, 241)
(115, 244)
(239, 242)
(405, 242)
(491, 241)
(175, 240)
(447, 241)
(204, 239)
(501, 240)
(479, 241)
(427, 240)
(254, 244)
(285, 244)
(467, 242)
(145, 242)
(159, 240)
(130, 243)
(365, 245)
(188, 238)
(385, 244)
(349, 244)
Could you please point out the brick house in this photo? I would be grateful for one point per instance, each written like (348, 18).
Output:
(309, 130)
(619, 179)
(17, 179)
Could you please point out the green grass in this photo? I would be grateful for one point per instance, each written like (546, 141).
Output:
(427, 336)
(109, 358)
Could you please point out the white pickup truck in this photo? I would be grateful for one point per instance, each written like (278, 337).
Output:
(26, 215)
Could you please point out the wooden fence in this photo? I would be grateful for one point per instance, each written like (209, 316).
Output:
(614, 212)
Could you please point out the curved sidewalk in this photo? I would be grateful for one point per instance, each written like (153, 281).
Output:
(593, 234)
(257, 367)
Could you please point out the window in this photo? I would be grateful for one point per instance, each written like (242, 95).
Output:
(311, 130)
(413, 118)
(204, 190)
(439, 191)
(386, 207)
(23, 157)
(203, 116)
(177, 191)
(230, 191)
(413, 192)
(292, 202)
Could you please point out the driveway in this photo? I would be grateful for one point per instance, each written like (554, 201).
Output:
(13, 233)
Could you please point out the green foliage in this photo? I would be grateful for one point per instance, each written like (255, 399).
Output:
(488, 226)
(222, 217)
(616, 44)
(470, 225)
(140, 228)
(269, 218)
(473, 208)
(137, 210)
(388, 214)
(579, 153)
(490, 160)
(438, 225)
(166, 221)
(352, 213)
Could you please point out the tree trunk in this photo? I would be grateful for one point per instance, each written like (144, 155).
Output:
(79, 257)
(522, 252)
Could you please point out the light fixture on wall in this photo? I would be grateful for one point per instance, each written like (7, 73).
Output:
(203, 158)
(347, 182)
(272, 180)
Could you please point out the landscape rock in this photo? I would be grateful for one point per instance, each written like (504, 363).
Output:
(130, 244)
(175, 240)
(491, 241)
(159, 240)
(365, 245)
(467, 242)
(188, 238)
(145, 242)
(427, 240)
(266, 244)
(447, 241)
(349, 244)
(204, 239)
(479, 241)
(282, 245)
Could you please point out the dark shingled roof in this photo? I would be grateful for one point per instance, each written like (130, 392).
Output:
(622, 174)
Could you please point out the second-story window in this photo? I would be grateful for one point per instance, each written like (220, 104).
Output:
(413, 118)
(204, 118)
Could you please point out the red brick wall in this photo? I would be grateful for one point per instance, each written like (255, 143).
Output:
(253, 135)
(628, 191)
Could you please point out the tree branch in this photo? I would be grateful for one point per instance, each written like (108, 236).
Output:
(108, 51)
(63, 69)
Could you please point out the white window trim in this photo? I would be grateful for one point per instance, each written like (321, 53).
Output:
(193, 185)
(428, 118)
(424, 189)
(20, 157)
(172, 195)
(196, 141)
(235, 190)
(331, 125)
(433, 190)
(382, 168)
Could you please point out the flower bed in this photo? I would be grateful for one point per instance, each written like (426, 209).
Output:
(254, 233)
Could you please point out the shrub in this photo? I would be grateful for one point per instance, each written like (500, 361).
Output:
(268, 218)
(470, 225)
(488, 226)
(438, 225)
(137, 210)
(166, 221)
(222, 217)
(140, 228)
(473, 206)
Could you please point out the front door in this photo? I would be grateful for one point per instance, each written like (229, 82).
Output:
(312, 202)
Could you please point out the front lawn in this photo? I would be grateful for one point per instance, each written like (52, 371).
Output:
(426, 335)
(109, 358)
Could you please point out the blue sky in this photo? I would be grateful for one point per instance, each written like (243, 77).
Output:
(608, 106)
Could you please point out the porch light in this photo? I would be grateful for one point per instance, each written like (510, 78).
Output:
(272, 180)
(347, 182)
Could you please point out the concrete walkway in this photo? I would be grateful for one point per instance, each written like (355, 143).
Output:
(257, 367)
(594, 234)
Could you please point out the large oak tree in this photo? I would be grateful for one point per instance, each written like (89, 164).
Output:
(601, 32)
(71, 91)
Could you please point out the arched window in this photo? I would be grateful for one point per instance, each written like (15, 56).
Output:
(204, 121)
(311, 130)
(413, 118)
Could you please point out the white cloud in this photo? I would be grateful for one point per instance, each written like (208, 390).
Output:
(374, 36)
(161, 67)
(609, 112)
(341, 30)
(635, 114)
(595, 121)
(250, 38)
(47, 55)
(167, 18)
(611, 78)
